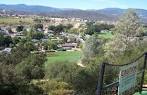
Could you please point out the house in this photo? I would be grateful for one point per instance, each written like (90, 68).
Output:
(4, 30)
(68, 46)
(6, 50)
(50, 31)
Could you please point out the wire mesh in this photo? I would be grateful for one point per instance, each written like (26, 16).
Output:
(111, 77)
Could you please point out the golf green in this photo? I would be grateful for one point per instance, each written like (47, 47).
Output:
(64, 56)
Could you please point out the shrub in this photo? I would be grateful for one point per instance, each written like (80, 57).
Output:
(54, 87)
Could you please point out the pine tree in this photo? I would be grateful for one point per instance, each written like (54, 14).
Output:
(127, 34)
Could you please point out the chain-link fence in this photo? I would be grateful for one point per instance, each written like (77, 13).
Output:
(110, 79)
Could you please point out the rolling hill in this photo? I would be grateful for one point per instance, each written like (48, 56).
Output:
(107, 14)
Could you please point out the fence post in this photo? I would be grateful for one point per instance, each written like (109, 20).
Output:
(143, 73)
(100, 79)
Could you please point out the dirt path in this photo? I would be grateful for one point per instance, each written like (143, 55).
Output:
(79, 63)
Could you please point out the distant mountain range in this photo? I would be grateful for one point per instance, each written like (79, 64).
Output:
(107, 14)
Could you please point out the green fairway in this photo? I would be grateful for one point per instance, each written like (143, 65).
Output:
(106, 35)
(143, 93)
(64, 56)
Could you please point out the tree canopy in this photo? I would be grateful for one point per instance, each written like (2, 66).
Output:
(127, 36)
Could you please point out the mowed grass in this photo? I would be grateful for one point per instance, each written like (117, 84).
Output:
(14, 21)
(64, 56)
(106, 35)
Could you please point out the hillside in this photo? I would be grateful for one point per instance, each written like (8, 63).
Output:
(107, 14)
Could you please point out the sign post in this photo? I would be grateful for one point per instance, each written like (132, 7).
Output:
(100, 82)
(144, 67)
(127, 79)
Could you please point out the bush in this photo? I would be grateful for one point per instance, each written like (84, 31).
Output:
(31, 67)
(12, 84)
(61, 71)
(53, 87)
(83, 80)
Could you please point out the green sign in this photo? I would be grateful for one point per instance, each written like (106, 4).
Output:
(127, 79)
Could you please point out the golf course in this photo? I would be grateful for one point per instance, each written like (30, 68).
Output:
(64, 56)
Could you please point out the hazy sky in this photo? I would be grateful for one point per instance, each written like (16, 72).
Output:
(82, 4)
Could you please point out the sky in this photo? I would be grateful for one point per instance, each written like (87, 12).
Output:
(83, 4)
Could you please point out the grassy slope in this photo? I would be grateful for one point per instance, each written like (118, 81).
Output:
(64, 56)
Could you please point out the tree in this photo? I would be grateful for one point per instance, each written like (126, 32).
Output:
(38, 26)
(8, 78)
(52, 45)
(33, 34)
(32, 67)
(96, 28)
(82, 83)
(18, 69)
(79, 78)
(19, 28)
(37, 20)
(37, 35)
(69, 26)
(127, 34)
(60, 71)
(5, 41)
(92, 47)
(90, 28)
(2, 40)
(10, 30)
(29, 45)
(29, 33)
(57, 29)
(13, 84)
(16, 40)
(52, 27)
(129, 25)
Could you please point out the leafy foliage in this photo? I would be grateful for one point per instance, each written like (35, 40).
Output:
(19, 28)
(18, 69)
(127, 38)
(93, 28)
(60, 28)
(53, 87)
(92, 47)
(38, 26)
(34, 34)
(5, 41)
